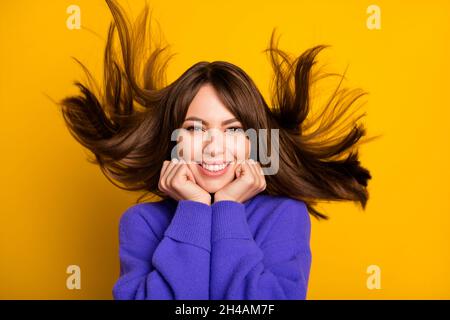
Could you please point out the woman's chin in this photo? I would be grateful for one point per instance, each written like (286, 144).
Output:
(212, 187)
(211, 184)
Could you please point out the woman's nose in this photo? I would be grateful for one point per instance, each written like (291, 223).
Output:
(214, 143)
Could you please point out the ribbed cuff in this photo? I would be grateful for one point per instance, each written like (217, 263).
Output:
(229, 221)
(191, 224)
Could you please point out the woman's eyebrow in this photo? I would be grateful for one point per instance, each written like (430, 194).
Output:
(206, 122)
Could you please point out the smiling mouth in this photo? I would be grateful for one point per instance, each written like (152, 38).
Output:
(213, 169)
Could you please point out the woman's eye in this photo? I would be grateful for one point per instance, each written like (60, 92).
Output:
(235, 129)
(192, 128)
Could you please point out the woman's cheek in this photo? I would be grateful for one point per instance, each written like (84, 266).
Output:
(239, 147)
(191, 148)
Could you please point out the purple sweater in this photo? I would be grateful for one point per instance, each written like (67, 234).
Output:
(185, 249)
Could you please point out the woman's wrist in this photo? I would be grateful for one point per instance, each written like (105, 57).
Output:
(204, 200)
(223, 197)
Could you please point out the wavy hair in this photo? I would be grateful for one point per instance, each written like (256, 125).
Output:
(128, 122)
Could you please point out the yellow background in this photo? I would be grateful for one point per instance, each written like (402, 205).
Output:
(58, 210)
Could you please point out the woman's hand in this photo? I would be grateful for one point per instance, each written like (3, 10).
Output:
(249, 181)
(177, 181)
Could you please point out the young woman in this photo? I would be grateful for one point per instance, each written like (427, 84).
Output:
(225, 227)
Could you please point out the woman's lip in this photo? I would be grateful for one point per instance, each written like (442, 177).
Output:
(213, 173)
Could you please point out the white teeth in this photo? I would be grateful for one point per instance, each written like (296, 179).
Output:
(214, 167)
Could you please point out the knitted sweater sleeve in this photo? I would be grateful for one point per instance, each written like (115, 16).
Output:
(172, 268)
(277, 269)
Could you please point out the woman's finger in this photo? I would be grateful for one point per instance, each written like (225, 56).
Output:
(254, 171)
(261, 175)
(238, 170)
(257, 170)
(164, 167)
(190, 174)
(173, 168)
(182, 170)
(248, 172)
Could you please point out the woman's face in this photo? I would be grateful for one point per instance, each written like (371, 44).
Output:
(214, 141)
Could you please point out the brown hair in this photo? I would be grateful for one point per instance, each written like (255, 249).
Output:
(128, 125)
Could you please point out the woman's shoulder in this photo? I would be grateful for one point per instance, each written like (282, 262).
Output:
(278, 202)
(155, 215)
(276, 208)
(273, 217)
